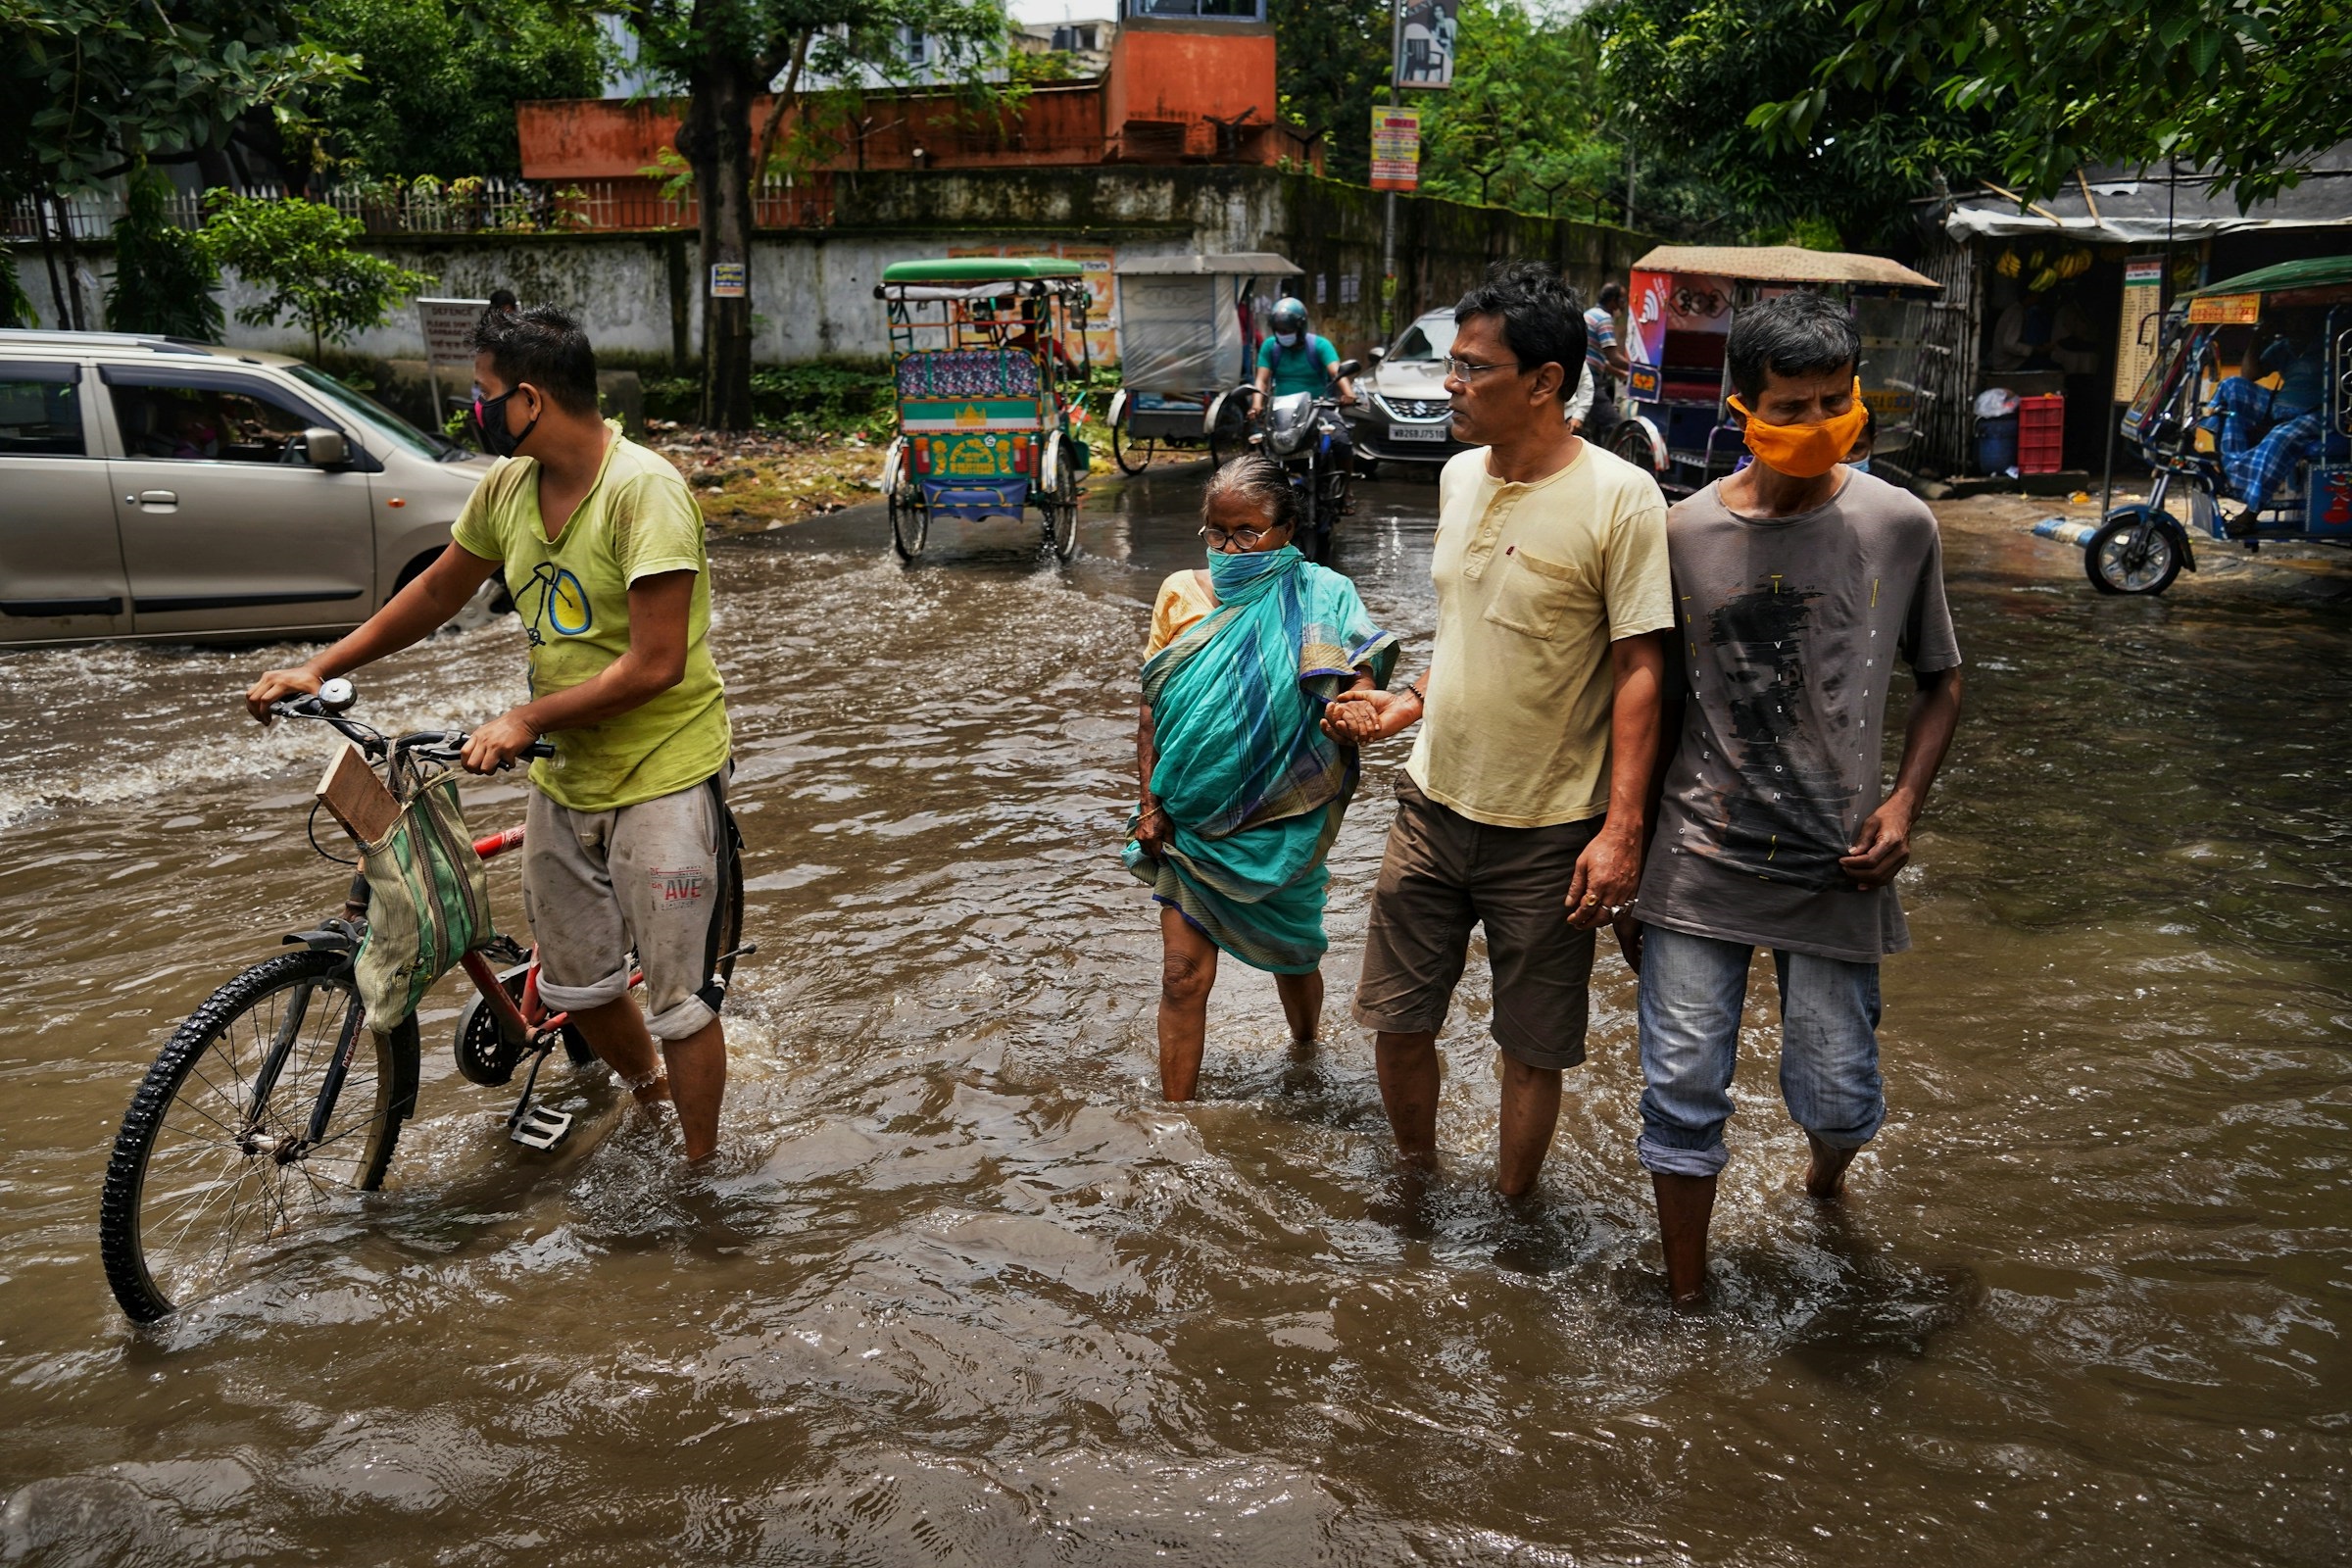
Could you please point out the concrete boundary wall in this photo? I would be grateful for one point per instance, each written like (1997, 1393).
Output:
(813, 290)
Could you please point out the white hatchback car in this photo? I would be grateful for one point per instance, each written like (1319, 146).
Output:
(155, 488)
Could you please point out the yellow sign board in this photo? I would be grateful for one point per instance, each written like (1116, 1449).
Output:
(2226, 309)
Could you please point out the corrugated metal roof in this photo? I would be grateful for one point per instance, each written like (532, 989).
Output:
(1785, 264)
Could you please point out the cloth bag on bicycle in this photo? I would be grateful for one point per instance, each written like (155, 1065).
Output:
(428, 897)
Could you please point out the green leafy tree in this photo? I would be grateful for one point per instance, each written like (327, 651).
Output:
(1683, 77)
(163, 280)
(2251, 91)
(1521, 125)
(438, 80)
(727, 53)
(1331, 64)
(91, 89)
(301, 252)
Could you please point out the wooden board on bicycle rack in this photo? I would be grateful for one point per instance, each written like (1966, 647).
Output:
(356, 798)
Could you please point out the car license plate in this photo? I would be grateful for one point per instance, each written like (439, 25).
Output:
(1416, 432)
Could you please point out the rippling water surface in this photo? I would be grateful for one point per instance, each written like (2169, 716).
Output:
(964, 1290)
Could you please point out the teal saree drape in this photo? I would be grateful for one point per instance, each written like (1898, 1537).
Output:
(1253, 787)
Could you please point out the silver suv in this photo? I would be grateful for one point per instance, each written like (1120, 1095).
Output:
(155, 488)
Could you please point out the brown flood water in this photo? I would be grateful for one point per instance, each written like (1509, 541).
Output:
(964, 1290)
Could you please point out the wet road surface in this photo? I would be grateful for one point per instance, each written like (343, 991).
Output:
(964, 1290)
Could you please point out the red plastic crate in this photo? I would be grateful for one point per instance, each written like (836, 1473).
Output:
(2041, 433)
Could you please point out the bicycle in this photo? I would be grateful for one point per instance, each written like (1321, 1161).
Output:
(273, 1106)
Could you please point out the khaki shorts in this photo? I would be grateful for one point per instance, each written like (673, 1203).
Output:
(650, 878)
(1443, 874)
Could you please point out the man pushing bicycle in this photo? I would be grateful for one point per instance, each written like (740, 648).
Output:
(601, 544)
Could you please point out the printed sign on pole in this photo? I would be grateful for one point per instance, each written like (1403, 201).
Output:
(729, 280)
(449, 342)
(1396, 148)
(1426, 43)
(2141, 324)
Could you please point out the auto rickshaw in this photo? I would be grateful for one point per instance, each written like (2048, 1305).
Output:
(1190, 326)
(2276, 443)
(1680, 310)
(981, 354)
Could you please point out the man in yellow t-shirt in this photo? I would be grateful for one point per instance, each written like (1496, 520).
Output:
(1522, 807)
(627, 844)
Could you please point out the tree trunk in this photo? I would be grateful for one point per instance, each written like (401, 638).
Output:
(72, 258)
(716, 139)
(57, 290)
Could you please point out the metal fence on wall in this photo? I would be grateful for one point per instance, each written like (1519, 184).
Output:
(462, 207)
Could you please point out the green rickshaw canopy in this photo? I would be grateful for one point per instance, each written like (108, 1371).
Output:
(2317, 271)
(981, 269)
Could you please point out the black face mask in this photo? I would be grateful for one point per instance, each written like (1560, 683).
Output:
(490, 419)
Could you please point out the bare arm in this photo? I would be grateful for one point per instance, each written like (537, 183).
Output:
(1609, 871)
(416, 613)
(1151, 822)
(1883, 846)
(654, 663)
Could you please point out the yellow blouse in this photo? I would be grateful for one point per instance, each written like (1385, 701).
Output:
(1184, 598)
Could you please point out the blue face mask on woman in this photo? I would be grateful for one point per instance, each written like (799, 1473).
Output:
(1228, 572)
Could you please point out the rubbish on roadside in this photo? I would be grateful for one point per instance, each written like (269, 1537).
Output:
(2066, 530)
(1996, 402)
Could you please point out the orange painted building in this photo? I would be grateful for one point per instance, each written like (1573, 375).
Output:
(1175, 90)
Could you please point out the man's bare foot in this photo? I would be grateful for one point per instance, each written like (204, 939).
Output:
(1825, 1173)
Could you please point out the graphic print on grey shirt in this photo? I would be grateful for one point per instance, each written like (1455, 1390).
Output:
(1788, 630)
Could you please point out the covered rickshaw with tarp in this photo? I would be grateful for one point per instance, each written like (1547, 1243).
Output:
(988, 354)
(2248, 401)
(1679, 307)
(1190, 326)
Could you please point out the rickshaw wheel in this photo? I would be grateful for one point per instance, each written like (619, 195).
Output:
(1060, 504)
(910, 522)
(2120, 561)
(1631, 443)
(1131, 454)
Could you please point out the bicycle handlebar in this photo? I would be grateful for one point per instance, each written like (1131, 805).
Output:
(335, 698)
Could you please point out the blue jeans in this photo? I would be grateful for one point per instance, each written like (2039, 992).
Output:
(1692, 989)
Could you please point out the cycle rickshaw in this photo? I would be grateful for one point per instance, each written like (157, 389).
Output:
(986, 375)
(1190, 326)
(2279, 443)
(1680, 310)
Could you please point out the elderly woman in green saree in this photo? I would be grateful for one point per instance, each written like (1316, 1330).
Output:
(1244, 782)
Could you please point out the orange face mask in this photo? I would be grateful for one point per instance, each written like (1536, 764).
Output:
(1804, 451)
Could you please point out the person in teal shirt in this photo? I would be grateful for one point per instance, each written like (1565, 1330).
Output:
(1293, 359)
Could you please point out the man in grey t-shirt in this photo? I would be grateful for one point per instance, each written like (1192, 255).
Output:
(1798, 583)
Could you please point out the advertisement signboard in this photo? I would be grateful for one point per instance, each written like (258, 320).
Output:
(1396, 148)
(1101, 284)
(1425, 43)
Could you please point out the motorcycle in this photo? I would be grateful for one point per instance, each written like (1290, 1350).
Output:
(1305, 433)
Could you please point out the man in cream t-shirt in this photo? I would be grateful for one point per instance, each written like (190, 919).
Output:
(1522, 807)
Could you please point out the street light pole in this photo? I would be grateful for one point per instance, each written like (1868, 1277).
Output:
(1388, 238)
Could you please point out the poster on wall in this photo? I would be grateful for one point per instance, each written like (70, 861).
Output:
(1094, 261)
(1425, 43)
(1396, 148)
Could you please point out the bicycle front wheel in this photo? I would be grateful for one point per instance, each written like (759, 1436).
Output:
(216, 1157)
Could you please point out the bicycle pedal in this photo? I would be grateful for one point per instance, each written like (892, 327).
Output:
(538, 1127)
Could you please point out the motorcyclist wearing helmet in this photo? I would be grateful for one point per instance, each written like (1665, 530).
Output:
(1293, 359)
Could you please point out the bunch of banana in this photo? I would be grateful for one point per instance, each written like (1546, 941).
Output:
(2007, 264)
(2074, 264)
